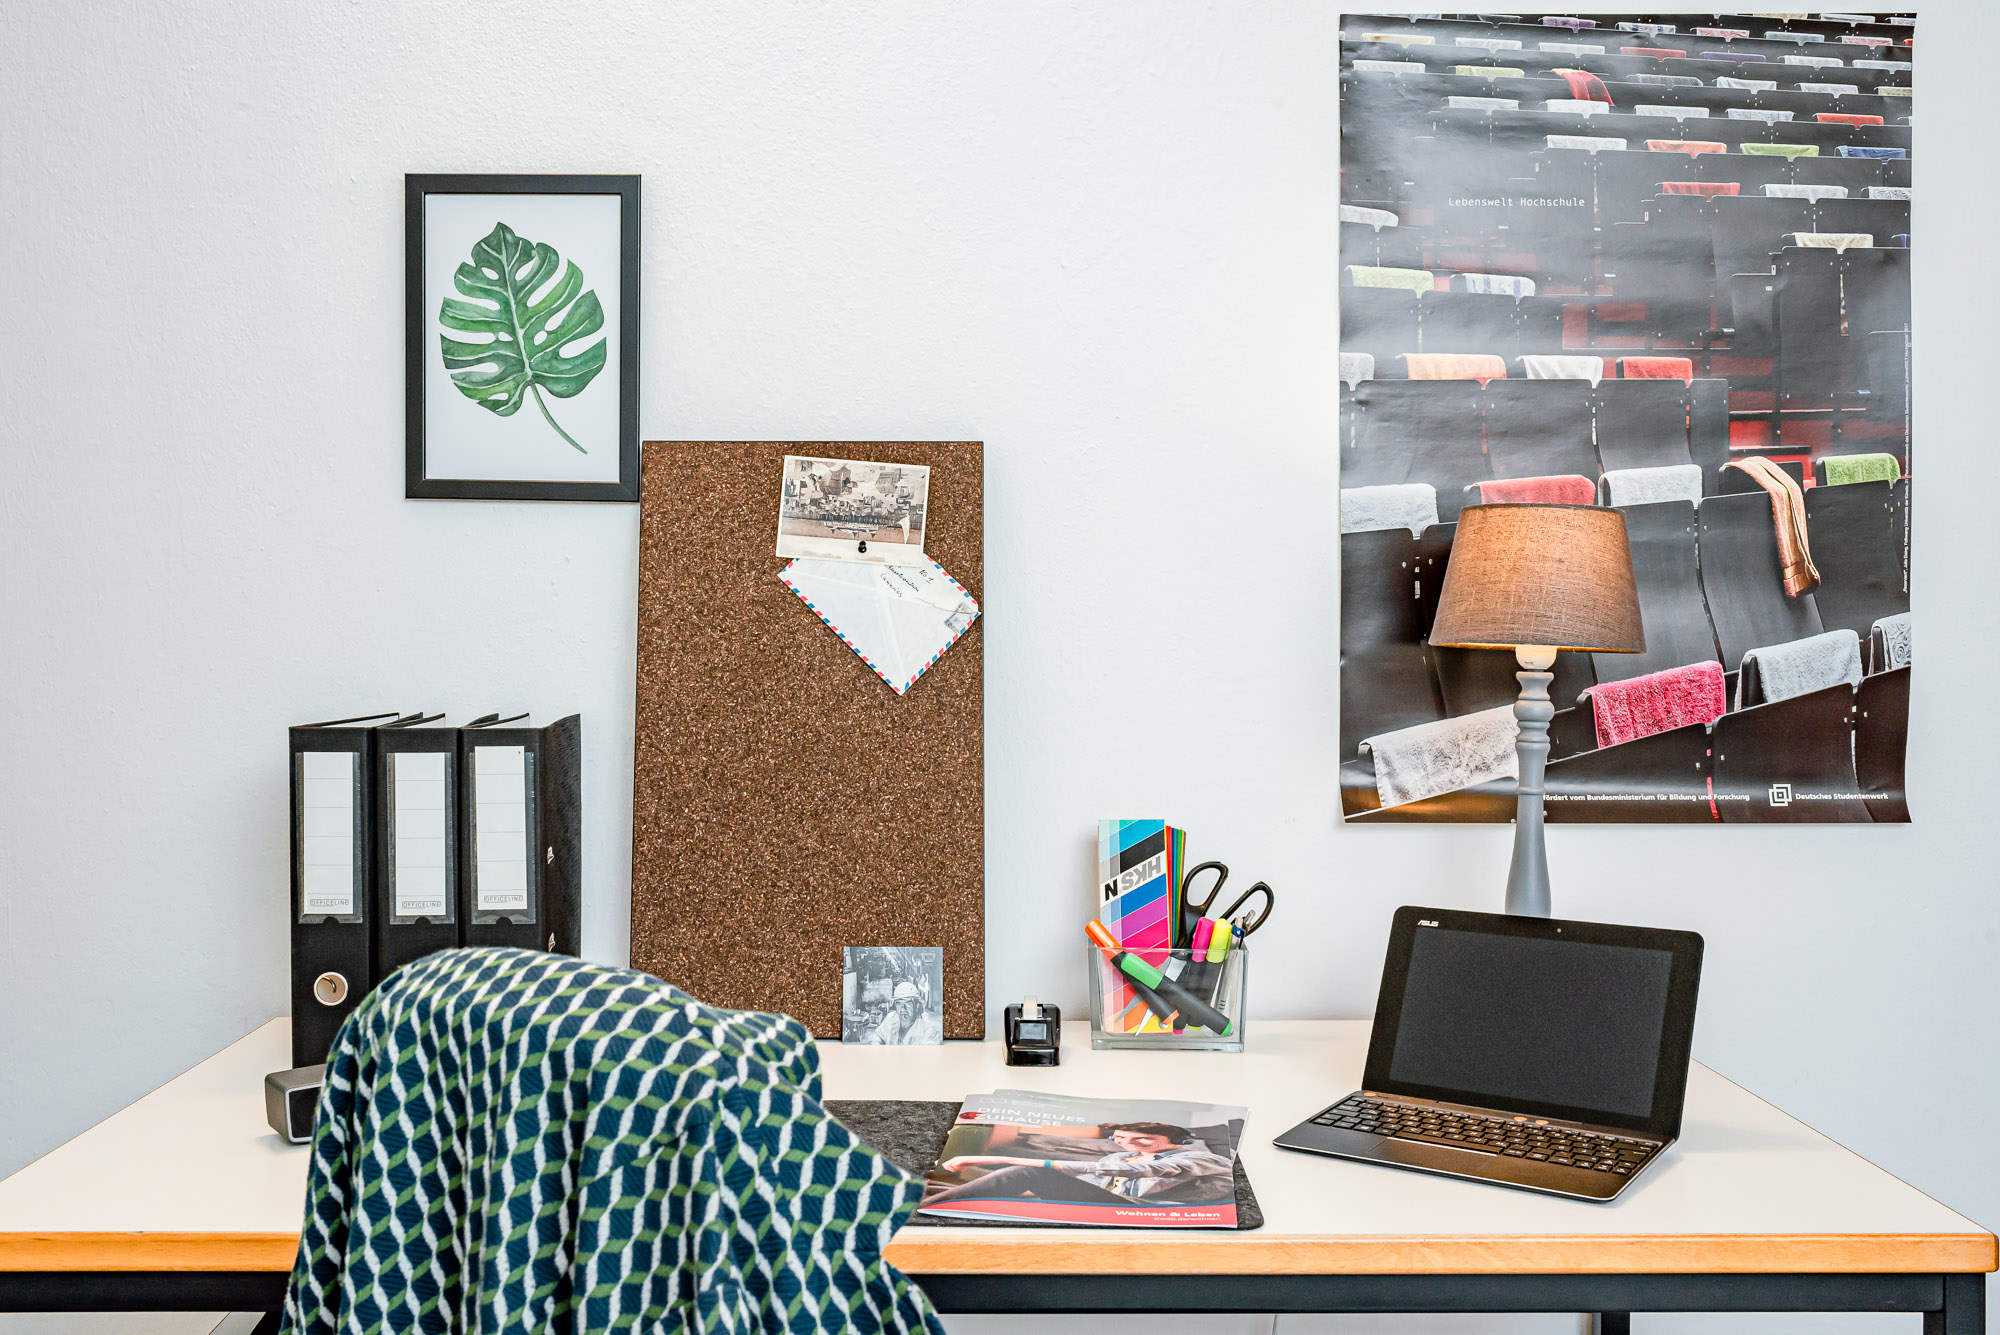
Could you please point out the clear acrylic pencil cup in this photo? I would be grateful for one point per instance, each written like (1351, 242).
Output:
(1167, 999)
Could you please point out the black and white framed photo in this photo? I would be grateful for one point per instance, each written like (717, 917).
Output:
(522, 310)
(892, 995)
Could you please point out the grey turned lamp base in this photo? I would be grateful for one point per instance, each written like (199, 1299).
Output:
(1528, 877)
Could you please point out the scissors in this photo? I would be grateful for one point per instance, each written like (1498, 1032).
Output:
(1200, 910)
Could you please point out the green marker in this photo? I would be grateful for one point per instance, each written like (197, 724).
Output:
(1193, 1010)
(1101, 937)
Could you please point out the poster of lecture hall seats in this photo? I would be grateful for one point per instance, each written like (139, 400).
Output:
(1652, 262)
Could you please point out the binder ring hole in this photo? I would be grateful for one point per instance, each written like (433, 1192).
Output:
(329, 989)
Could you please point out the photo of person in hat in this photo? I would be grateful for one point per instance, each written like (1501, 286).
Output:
(892, 995)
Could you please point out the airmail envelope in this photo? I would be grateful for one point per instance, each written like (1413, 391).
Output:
(899, 619)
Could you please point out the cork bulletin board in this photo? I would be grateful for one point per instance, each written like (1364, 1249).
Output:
(786, 803)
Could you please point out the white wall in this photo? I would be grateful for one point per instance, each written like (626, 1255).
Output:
(1098, 237)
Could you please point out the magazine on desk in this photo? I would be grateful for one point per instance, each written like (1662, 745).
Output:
(1114, 1163)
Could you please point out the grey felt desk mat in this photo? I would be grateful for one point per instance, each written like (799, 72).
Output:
(910, 1133)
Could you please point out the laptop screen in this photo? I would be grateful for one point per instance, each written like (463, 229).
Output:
(1539, 1017)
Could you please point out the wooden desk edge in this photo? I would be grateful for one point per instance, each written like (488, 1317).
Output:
(103, 1252)
(1080, 1253)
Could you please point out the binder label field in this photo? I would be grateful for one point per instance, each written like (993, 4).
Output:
(500, 828)
(326, 833)
(421, 786)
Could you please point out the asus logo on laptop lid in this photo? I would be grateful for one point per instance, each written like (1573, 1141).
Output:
(1426, 922)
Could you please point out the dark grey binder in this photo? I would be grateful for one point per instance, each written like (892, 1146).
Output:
(416, 841)
(521, 834)
(333, 876)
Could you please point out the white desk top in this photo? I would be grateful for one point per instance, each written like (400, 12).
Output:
(191, 1177)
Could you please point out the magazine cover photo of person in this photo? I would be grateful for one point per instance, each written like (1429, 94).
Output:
(1111, 1170)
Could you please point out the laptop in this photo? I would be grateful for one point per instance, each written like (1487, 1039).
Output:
(1527, 1052)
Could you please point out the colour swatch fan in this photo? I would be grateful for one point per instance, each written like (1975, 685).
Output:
(1138, 877)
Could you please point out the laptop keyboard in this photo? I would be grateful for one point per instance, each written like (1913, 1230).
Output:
(1515, 1137)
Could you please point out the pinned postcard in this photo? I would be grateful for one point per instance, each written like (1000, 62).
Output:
(853, 510)
(899, 619)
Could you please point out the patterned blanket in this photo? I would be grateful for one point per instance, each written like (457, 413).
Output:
(511, 1141)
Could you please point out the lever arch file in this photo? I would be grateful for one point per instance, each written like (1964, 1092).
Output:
(520, 844)
(333, 804)
(416, 841)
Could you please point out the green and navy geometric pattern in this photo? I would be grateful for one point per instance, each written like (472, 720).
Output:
(512, 1141)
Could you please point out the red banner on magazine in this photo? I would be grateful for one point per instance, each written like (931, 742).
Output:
(1104, 1216)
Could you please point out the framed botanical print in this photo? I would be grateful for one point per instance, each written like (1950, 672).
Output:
(522, 317)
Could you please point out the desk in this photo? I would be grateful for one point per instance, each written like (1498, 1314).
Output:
(187, 1201)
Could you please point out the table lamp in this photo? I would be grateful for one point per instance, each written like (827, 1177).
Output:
(1536, 579)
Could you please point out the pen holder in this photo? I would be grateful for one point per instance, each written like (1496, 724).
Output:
(1122, 1017)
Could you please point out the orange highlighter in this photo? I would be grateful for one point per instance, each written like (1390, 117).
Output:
(1101, 936)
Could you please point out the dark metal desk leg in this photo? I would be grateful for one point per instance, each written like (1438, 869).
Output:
(1618, 1323)
(1964, 1310)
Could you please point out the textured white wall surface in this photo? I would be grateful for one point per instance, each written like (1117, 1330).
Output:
(1101, 238)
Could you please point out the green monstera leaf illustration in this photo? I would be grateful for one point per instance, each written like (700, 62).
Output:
(527, 320)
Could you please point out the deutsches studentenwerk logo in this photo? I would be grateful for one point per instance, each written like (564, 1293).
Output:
(1781, 794)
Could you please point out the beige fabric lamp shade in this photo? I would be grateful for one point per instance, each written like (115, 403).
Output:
(1552, 575)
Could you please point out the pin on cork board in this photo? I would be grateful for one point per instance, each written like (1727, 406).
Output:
(786, 802)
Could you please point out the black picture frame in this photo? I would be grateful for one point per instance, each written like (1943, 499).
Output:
(419, 335)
